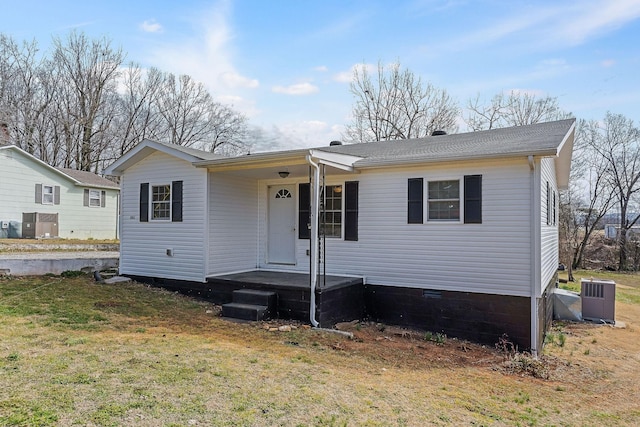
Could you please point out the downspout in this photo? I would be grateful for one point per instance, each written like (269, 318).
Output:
(533, 261)
(314, 252)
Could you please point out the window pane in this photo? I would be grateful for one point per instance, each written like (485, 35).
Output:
(444, 189)
(94, 198)
(445, 210)
(444, 200)
(47, 194)
(161, 201)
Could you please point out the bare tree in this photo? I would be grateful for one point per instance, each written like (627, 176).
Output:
(617, 142)
(588, 198)
(87, 71)
(517, 109)
(397, 105)
(192, 118)
(78, 107)
(136, 115)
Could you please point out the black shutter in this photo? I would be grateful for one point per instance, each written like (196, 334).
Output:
(351, 211)
(304, 211)
(85, 201)
(176, 201)
(39, 194)
(415, 197)
(103, 199)
(144, 202)
(56, 195)
(548, 204)
(473, 199)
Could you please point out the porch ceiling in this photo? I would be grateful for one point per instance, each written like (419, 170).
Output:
(298, 169)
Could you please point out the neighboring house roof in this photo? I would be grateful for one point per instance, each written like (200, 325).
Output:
(148, 147)
(89, 179)
(79, 178)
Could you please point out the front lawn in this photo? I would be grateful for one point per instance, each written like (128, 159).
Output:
(73, 352)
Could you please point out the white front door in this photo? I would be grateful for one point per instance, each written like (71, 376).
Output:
(282, 225)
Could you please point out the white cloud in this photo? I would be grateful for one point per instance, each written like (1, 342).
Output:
(321, 68)
(559, 24)
(296, 89)
(234, 80)
(206, 54)
(594, 18)
(151, 26)
(347, 76)
(607, 63)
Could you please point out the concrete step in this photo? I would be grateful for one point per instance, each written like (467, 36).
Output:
(256, 297)
(245, 311)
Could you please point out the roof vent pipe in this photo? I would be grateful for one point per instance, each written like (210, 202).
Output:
(438, 133)
(332, 143)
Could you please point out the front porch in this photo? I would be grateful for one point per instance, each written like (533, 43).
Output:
(338, 298)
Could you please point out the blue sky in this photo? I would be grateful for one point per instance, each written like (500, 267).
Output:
(287, 63)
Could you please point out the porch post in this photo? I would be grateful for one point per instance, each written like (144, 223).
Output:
(314, 253)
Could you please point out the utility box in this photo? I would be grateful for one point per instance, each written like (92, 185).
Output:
(598, 300)
(38, 224)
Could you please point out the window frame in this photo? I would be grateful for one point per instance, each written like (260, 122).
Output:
(322, 211)
(46, 193)
(167, 202)
(459, 199)
(92, 197)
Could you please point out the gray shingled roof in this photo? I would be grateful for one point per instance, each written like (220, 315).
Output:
(201, 154)
(88, 178)
(537, 139)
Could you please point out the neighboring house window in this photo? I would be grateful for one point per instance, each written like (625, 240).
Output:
(443, 200)
(47, 194)
(164, 202)
(95, 198)
(415, 204)
(331, 213)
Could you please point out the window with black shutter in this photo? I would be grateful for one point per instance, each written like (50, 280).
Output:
(473, 199)
(176, 201)
(351, 211)
(144, 202)
(415, 201)
(304, 210)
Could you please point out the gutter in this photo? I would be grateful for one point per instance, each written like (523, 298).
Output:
(315, 251)
(533, 259)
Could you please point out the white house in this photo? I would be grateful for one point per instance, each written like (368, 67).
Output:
(38, 200)
(456, 233)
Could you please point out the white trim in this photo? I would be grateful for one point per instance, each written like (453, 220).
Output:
(168, 219)
(99, 198)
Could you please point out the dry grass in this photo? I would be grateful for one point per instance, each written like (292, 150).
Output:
(76, 353)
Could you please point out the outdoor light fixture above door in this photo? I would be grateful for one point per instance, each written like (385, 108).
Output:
(283, 174)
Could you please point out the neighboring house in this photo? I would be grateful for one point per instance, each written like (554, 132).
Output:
(38, 200)
(454, 233)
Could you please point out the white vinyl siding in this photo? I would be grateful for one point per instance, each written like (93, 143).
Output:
(233, 223)
(492, 257)
(144, 245)
(548, 232)
(19, 175)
